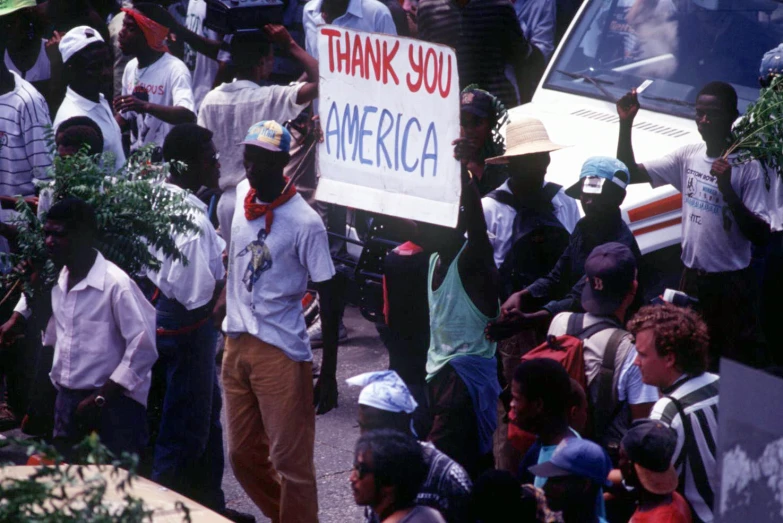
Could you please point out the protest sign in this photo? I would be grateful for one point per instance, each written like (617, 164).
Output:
(749, 457)
(389, 111)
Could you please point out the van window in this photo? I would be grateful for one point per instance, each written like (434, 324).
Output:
(679, 44)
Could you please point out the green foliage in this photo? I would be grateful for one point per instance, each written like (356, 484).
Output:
(61, 493)
(759, 135)
(133, 209)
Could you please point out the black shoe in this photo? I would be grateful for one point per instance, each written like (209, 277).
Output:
(238, 517)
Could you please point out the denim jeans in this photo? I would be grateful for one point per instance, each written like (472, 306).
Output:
(188, 453)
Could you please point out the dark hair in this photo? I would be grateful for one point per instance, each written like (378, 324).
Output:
(397, 461)
(679, 331)
(247, 49)
(547, 380)
(497, 493)
(723, 92)
(79, 131)
(380, 419)
(184, 143)
(75, 214)
(577, 394)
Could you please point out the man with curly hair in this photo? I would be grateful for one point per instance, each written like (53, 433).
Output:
(672, 347)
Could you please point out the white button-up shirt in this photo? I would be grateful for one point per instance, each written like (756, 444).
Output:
(500, 220)
(100, 113)
(192, 285)
(102, 329)
(362, 15)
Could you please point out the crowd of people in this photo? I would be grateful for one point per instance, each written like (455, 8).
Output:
(527, 376)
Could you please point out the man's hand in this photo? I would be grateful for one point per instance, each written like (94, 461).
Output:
(87, 409)
(129, 102)
(466, 150)
(721, 170)
(628, 107)
(519, 301)
(11, 329)
(325, 394)
(219, 310)
(279, 35)
(514, 322)
(52, 46)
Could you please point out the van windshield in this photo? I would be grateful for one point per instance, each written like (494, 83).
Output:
(678, 44)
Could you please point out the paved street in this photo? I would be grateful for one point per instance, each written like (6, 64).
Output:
(336, 432)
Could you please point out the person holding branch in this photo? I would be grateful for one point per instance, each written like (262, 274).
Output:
(723, 212)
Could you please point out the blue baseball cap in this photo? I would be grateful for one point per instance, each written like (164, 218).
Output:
(772, 62)
(269, 135)
(577, 457)
(596, 171)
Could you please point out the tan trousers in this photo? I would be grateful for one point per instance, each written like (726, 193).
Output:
(511, 350)
(271, 428)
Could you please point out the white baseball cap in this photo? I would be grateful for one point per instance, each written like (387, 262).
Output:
(77, 39)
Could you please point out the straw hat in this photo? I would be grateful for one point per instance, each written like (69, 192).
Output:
(525, 136)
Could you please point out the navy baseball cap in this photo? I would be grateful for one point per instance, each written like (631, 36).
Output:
(610, 270)
(596, 172)
(772, 62)
(478, 102)
(650, 445)
(577, 457)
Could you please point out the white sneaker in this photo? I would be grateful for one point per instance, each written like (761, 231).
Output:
(316, 336)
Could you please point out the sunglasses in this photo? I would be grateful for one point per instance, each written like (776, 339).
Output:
(362, 469)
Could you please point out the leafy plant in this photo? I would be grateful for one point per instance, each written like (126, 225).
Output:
(58, 493)
(759, 135)
(134, 212)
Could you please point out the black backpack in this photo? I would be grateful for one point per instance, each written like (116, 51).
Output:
(538, 240)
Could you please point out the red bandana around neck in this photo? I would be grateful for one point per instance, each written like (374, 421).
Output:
(255, 210)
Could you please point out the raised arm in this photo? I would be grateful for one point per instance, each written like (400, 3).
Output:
(627, 109)
(279, 35)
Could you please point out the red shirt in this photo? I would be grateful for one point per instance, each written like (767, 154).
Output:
(677, 511)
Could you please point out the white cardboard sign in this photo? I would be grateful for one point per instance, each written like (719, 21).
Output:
(389, 111)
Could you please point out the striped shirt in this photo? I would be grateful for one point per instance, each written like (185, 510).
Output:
(486, 36)
(24, 151)
(694, 457)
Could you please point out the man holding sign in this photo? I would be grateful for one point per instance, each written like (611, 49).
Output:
(461, 366)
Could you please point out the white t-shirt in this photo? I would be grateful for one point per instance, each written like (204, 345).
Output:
(39, 72)
(231, 109)
(267, 275)
(711, 238)
(202, 68)
(100, 113)
(630, 387)
(191, 284)
(167, 82)
(24, 151)
(774, 200)
(500, 220)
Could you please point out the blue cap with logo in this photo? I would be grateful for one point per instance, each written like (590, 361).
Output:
(269, 135)
(610, 270)
(577, 457)
(772, 62)
(596, 171)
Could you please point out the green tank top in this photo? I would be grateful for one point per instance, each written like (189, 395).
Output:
(456, 324)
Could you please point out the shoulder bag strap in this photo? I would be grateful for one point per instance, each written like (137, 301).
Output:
(606, 406)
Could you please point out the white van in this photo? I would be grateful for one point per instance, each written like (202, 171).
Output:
(679, 45)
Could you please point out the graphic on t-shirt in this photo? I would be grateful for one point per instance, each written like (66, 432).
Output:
(3, 139)
(702, 193)
(260, 261)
